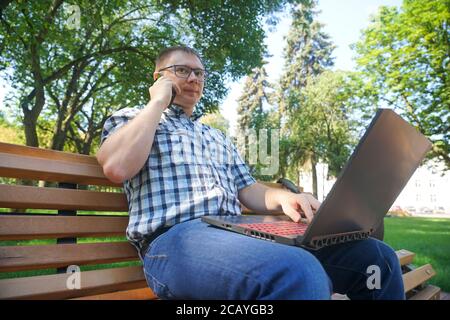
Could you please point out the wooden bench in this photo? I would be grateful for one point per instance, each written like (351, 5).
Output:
(68, 224)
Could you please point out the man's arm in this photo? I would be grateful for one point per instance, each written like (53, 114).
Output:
(124, 153)
(265, 200)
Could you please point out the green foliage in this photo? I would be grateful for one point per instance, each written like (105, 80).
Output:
(255, 115)
(76, 77)
(404, 56)
(308, 52)
(323, 120)
(255, 95)
(216, 120)
(10, 133)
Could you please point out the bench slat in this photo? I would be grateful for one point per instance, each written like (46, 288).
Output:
(417, 276)
(27, 197)
(136, 294)
(430, 292)
(18, 258)
(46, 153)
(21, 227)
(55, 286)
(405, 257)
(32, 168)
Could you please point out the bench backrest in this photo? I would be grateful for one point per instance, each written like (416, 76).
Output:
(68, 225)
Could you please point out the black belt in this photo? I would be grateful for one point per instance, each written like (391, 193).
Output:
(153, 236)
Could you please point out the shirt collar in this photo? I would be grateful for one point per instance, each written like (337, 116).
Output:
(176, 111)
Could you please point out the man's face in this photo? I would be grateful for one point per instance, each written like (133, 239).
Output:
(191, 88)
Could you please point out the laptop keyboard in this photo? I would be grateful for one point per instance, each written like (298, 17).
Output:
(282, 228)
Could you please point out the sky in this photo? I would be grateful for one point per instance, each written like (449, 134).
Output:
(343, 20)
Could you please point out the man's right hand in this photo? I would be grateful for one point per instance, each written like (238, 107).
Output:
(161, 91)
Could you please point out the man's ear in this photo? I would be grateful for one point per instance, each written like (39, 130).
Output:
(156, 75)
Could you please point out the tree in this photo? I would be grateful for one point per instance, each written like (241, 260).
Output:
(323, 126)
(308, 51)
(255, 119)
(307, 54)
(255, 94)
(106, 62)
(404, 56)
(217, 121)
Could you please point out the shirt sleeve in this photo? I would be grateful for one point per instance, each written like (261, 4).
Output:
(117, 120)
(240, 170)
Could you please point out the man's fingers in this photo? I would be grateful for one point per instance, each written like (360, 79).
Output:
(292, 213)
(315, 204)
(174, 85)
(306, 208)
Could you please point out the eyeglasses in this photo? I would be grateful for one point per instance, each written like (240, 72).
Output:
(184, 72)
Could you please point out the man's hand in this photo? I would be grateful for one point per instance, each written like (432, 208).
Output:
(161, 91)
(264, 200)
(295, 205)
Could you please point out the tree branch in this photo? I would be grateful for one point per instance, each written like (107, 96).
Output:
(48, 19)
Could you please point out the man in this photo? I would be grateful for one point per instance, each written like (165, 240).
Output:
(175, 170)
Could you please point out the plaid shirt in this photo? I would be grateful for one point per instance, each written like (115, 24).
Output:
(192, 170)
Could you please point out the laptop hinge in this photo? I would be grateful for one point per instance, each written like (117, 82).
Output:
(329, 240)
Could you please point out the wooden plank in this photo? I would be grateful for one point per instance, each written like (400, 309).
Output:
(405, 257)
(417, 276)
(136, 294)
(430, 292)
(46, 153)
(18, 258)
(35, 168)
(27, 197)
(20, 227)
(55, 286)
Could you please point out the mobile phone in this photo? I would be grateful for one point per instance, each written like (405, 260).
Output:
(174, 93)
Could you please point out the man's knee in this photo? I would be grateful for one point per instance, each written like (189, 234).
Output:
(382, 256)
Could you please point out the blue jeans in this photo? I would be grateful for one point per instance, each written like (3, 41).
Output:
(193, 260)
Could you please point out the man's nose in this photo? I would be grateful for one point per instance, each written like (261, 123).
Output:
(192, 77)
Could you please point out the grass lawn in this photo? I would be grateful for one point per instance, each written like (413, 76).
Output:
(428, 238)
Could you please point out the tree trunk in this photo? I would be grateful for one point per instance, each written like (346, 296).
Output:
(29, 126)
(314, 175)
(30, 116)
(59, 138)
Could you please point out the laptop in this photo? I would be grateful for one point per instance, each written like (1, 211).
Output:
(379, 168)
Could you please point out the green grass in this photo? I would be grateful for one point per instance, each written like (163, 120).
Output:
(428, 238)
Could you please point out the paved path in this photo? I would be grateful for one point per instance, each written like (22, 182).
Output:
(445, 296)
(431, 215)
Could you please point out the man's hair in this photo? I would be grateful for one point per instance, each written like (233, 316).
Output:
(165, 53)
